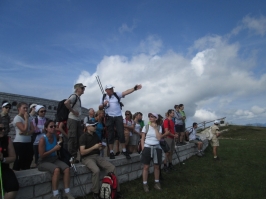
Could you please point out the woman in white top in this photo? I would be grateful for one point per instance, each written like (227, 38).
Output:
(135, 138)
(128, 127)
(22, 141)
(150, 142)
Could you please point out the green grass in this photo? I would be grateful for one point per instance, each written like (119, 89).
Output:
(240, 173)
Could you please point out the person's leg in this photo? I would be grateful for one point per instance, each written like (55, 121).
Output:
(110, 130)
(215, 151)
(36, 153)
(72, 137)
(90, 162)
(145, 172)
(10, 183)
(11, 195)
(55, 179)
(16, 165)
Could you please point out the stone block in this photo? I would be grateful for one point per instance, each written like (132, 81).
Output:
(48, 196)
(78, 190)
(133, 175)
(139, 173)
(123, 169)
(42, 189)
(25, 193)
(83, 179)
(136, 166)
(123, 178)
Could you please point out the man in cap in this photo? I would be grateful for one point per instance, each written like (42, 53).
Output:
(32, 113)
(90, 147)
(73, 103)
(214, 140)
(4, 117)
(112, 105)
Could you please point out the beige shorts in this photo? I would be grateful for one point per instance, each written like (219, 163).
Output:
(215, 142)
(171, 143)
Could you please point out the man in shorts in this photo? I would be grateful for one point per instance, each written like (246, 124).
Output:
(214, 140)
(169, 128)
(193, 139)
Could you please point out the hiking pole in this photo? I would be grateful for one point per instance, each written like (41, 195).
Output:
(177, 156)
(1, 180)
(99, 83)
(77, 178)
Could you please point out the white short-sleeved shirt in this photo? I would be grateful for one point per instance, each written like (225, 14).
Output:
(192, 135)
(150, 138)
(21, 138)
(137, 127)
(113, 109)
(129, 123)
(76, 107)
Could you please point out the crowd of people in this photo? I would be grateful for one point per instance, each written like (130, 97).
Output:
(102, 133)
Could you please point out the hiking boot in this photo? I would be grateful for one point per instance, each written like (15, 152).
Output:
(68, 196)
(146, 187)
(126, 154)
(95, 196)
(157, 186)
(112, 155)
(199, 154)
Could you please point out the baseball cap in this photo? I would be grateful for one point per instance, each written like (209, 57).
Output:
(108, 86)
(154, 114)
(79, 85)
(91, 123)
(5, 104)
(216, 122)
(38, 107)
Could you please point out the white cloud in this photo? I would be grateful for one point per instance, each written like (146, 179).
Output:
(253, 24)
(152, 45)
(258, 110)
(126, 28)
(204, 115)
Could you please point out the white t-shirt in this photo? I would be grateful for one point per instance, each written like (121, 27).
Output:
(137, 127)
(128, 123)
(113, 109)
(21, 138)
(76, 107)
(150, 138)
(192, 135)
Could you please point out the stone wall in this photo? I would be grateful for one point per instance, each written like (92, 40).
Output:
(37, 185)
(14, 99)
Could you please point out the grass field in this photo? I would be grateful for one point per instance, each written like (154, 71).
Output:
(240, 172)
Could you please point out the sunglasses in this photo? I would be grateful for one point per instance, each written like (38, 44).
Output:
(7, 107)
(152, 116)
(52, 126)
(44, 111)
(2, 128)
(93, 125)
(127, 114)
(83, 88)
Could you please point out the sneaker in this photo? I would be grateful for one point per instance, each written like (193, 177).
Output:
(117, 153)
(146, 187)
(216, 158)
(68, 196)
(112, 155)
(95, 196)
(157, 186)
(126, 154)
(199, 154)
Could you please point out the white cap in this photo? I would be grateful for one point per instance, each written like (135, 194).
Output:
(32, 105)
(108, 86)
(216, 122)
(154, 114)
(38, 107)
(6, 103)
(91, 123)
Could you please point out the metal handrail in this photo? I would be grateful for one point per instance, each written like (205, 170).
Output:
(203, 124)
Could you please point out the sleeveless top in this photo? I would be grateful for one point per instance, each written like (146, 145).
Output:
(4, 147)
(49, 146)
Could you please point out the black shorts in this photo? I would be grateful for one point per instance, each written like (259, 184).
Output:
(179, 128)
(146, 156)
(10, 182)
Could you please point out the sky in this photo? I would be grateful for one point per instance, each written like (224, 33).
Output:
(206, 54)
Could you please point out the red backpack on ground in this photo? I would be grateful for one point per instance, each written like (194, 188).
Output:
(108, 189)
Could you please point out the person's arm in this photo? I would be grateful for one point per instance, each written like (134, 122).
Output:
(23, 128)
(131, 90)
(42, 152)
(143, 135)
(68, 105)
(84, 151)
(61, 128)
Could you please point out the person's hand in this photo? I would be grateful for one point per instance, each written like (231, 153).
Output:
(154, 125)
(76, 113)
(57, 147)
(138, 87)
(98, 146)
(105, 103)
(26, 116)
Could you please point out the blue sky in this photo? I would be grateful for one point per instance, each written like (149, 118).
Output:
(207, 54)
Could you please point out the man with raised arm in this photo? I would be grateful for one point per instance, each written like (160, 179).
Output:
(110, 102)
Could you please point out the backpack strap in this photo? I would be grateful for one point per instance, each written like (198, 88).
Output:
(116, 96)
(36, 121)
(77, 97)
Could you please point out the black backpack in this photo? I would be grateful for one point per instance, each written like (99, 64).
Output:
(121, 104)
(62, 111)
